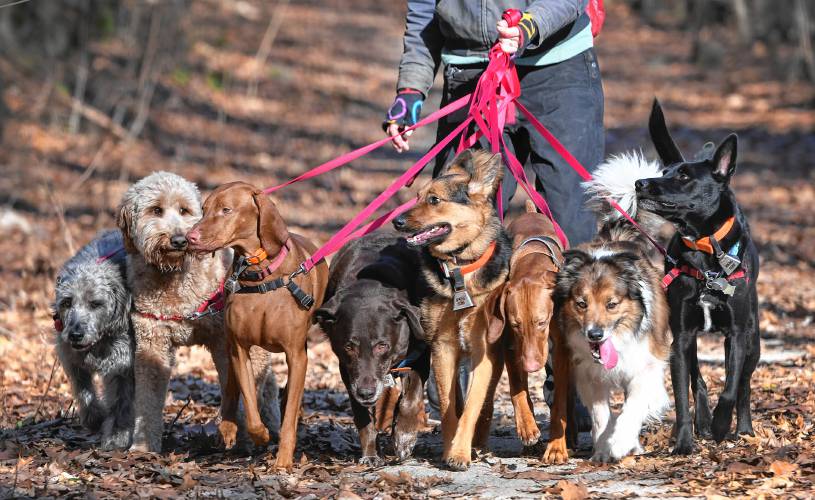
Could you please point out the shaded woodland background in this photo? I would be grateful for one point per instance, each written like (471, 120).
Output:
(95, 94)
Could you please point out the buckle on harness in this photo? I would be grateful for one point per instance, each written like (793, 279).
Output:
(298, 293)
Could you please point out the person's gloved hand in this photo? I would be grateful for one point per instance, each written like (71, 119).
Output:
(403, 113)
(514, 40)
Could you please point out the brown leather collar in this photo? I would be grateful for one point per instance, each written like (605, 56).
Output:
(551, 245)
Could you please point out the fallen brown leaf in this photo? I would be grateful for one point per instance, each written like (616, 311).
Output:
(572, 491)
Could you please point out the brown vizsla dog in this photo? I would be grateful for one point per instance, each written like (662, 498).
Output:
(526, 305)
(264, 309)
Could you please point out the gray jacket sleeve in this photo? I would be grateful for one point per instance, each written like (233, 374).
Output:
(551, 15)
(423, 45)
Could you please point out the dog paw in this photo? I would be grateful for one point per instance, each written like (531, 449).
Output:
(621, 447)
(228, 432)
(259, 435)
(684, 447)
(372, 461)
(92, 417)
(745, 427)
(283, 464)
(117, 440)
(458, 460)
(722, 418)
(141, 447)
(403, 444)
(556, 453)
(603, 457)
(528, 432)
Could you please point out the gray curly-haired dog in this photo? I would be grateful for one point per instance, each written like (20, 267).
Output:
(93, 337)
(169, 286)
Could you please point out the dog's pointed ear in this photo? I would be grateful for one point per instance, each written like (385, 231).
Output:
(661, 137)
(326, 315)
(124, 219)
(486, 175)
(272, 230)
(724, 159)
(495, 310)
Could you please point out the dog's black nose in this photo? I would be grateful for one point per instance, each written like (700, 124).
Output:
(641, 184)
(179, 242)
(399, 222)
(366, 393)
(75, 336)
(594, 334)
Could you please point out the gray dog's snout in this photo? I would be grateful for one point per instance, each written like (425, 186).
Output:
(179, 241)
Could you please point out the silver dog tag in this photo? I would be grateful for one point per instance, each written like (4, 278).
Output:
(461, 298)
(728, 263)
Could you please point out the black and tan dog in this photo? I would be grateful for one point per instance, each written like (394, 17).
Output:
(465, 258)
(371, 316)
(713, 283)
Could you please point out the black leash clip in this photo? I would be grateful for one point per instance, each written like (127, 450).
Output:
(298, 293)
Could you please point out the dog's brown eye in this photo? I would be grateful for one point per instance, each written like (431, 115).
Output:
(684, 177)
(226, 210)
(96, 304)
(184, 211)
(65, 303)
(349, 347)
(158, 211)
(581, 303)
(611, 305)
(380, 347)
(433, 200)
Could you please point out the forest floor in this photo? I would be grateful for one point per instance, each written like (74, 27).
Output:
(329, 77)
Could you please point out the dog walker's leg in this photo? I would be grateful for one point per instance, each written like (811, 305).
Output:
(152, 369)
(119, 423)
(296, 361)
(556, 452)
(734, 353)
(525, 424)
(484, 424)
(482, 360)
(409, 415)
(246, 381)
(744, 421)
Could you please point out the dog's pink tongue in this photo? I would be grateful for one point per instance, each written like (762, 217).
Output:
(608, 354)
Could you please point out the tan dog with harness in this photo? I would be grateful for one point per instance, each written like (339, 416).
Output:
(267, 306)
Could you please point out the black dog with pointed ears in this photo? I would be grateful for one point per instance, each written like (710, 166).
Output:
(712, 284)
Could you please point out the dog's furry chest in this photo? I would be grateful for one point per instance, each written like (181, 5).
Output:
(635, 359)
(107, 357)
(174, 294)
(442, 324)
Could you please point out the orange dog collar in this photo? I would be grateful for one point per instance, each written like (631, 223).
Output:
(478, 264)
(704, 244)
(257, 256)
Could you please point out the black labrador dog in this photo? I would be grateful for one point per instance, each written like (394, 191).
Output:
(712, 284)
(371, 316)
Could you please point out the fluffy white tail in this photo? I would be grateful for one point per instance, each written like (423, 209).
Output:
(615, 179)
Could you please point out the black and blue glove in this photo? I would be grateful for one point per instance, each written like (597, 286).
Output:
(405, 110)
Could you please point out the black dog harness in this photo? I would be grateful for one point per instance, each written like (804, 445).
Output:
(242, 272)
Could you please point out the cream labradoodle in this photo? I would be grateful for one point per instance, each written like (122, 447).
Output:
(168, 285)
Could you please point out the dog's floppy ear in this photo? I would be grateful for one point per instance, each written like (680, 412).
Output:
(724, 160)
(124, 219)
(272, 230)
(664, 144)
(495, 309)
(486, 174)
(628, 263)
(326, 315)
(415, 325)
(573, 262)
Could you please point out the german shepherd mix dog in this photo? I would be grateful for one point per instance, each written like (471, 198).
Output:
(465, 258)
(712, 284)
(371, 316)
(613, 316)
